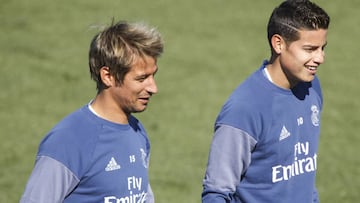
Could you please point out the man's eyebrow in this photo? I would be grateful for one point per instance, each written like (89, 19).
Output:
(310, 46)
(145, 75)
(314, 46)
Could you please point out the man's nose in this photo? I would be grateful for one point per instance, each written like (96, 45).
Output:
(319, 56)
(152, 87)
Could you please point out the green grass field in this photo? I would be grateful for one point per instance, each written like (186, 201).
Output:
(211, 46)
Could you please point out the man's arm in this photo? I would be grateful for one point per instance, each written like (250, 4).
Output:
(315, 196)
(150, 195)
(229, 157)
(50, 181)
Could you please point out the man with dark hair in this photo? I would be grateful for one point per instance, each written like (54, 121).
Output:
(266, 136)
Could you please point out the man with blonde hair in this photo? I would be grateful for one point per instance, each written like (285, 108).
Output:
(100, 152)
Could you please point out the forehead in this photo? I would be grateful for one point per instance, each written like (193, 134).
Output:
(144, 64)
(312, 37)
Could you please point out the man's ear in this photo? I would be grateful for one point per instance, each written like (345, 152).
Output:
(277, 43)
(107, 79)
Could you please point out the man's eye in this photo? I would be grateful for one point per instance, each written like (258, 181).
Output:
(310, 49)
(142, 78)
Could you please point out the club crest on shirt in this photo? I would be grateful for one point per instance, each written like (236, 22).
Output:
(144, 157)
(315, 115)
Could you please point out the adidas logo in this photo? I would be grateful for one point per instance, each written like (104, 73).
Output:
(284, 133)
(112, 165)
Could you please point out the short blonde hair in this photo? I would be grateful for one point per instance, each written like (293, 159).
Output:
(119, 45)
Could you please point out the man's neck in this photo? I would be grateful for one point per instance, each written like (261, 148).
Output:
(105, 108)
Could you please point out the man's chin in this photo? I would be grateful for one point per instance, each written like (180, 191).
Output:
(309, 78)
(139, 110)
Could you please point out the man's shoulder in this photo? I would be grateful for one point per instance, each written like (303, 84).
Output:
(71, 132)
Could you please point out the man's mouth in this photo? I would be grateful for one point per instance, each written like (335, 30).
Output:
(144, 99)
(312, 69)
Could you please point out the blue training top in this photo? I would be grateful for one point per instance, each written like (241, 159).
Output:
(85, 158)
(265, 144)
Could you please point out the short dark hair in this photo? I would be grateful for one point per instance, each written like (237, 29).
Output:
(294, 15)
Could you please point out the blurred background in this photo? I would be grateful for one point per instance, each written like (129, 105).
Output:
(210, 47)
